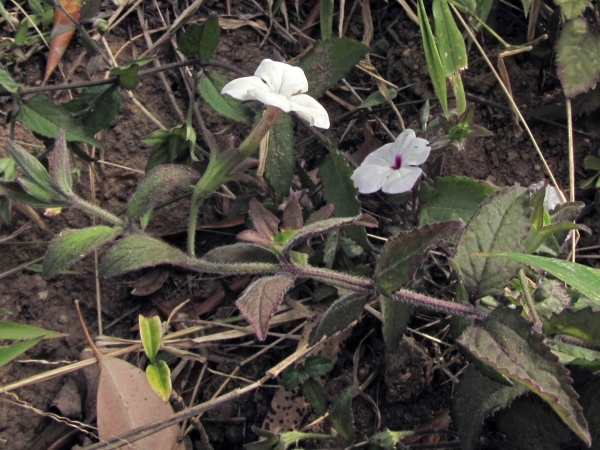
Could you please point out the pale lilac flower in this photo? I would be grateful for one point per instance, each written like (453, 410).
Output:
(392, 168)
(281, 85)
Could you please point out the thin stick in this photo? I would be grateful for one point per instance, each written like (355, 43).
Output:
(571, 148)
(106, 163)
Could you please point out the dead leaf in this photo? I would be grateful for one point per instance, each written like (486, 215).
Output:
(370, 144)
(441, 421)
(150, 282)
(68, 400)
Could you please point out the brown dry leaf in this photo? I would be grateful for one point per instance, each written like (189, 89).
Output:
(441, 421)
(370, 144)
(150, 282)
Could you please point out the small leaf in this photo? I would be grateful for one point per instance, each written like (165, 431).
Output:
(328, 62)
(577, 356)
(591, 162)
(389, 439)
(20, 331)
(71, 245)
(396, 317)
(578, 57)
(290, 378)
(159, 377)
(225, 105)
(261, 300)
(313, 393)
(10, 352)
(377, 98)
(572, 8)
(340, 191)
(340, 314)
(323, 226)
(128, 76)
(317, 366)
(136, 252)
(476, 398)
(341, 415)
(582, 324)
(151, 333)
(506, 342)
(60, 168)
(451, 198)
(451, 45)
(44, 117)
(551, 297)
(32, 167)
(326, 19)
(211, 33)
(500, 224)
(155, 184)
(96, 107)
(15, 192)
(7, 84)
(241, 254)
(280, 161)
(434, 62)
(405, 253)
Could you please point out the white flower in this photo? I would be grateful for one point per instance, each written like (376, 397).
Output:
(281, 85)
(391, 168)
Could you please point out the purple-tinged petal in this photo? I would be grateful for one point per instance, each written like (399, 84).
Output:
(369, 178)
(383, 156)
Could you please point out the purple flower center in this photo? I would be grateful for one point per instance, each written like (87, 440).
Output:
(397, 162)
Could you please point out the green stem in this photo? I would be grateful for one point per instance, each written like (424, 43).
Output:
(528, 297)
(95, 210)
(256, 136)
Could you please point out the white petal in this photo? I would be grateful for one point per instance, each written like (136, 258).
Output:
(414, 150)
(271, 98)
(383, 156)
(401, 180)
(282, 78)
(552, 198)
(310, 110)
(369, 178)
(240, 88)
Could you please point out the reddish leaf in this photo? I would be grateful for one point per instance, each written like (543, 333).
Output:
(292, 214)
(60, 42)
(266, 224)
(261, 300)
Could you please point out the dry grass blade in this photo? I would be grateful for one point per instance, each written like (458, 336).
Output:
(126, 401)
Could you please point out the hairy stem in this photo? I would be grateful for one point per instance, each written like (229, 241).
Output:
(253, 140)
(95, 210)
(416, 299)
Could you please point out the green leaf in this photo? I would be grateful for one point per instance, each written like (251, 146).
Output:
(313, 393)
(280, 161)
(241, 254)
(591, 162)
(326, 19)
(405, 253)
(451, 45)
(506, 342)
(71, 245)
(582, 324)
(22, 32)
(389, 439)
(451, 198)
(261, 300)
(33, 168)
(151, 333)
(290, 378)
(10, 352)
(317, 366)
(341, 415)
(96, 106)
(225, 105)
(576, 356)
(292, 437)
(476, 398)
(139, 251)
(60, 168)
(340, 314)
(377, 98)
(340, 191)
(328, 62)
(155, 184)
(434, 62)
(159, 377)
(572, 8)
(578, 57)
(15, 192)
(583, 278)
(551, 297)
(500, 224)
(7, 84)
(201, 39)
(44, 117)
(395, 316)
(128, 76)
(89, 9)
(20, 331)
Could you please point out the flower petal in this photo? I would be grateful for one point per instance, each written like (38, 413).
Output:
(271, 98)
(369, 178)
(414, 150)
(401, 180)
(383, 156)
(240, 88)
(310, 110)
(282, 78)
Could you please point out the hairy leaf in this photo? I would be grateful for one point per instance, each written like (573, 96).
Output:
(280, 161)
(138, 251)
(451, 45)
(582, 324)
(476, 398)
(578, 57)
(15, 192)
(60, 168)
(96, 107)
(225, 105)
(341, 415)
(313, 392)
(451, 198)
(261, 300)
(151, 333)
(551, 297)
(572, 8)
(507, 342)
(326, 19)
(34, 169)
(340, 191)
(328, 62)
(155, 184)
(241, 253)
(71, 245)
(44, 117)
(500, 224)
(395, 316)
(405, 253)
(342, 313)
(159, 377)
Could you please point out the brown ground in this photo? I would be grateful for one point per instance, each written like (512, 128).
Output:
(416, 396)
